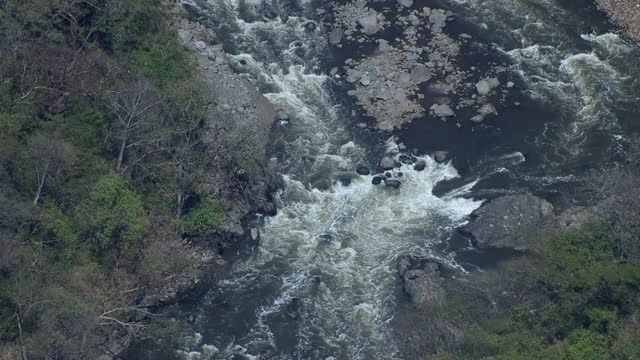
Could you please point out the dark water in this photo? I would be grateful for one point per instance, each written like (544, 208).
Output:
(322, 284)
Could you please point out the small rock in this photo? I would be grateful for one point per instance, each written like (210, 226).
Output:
(377, 180)
(406, 3)
(420, 74)
(442, 110)
(483, 87)
(387, 163)
(420, 165)
(255, 234)
(363, 170)
(391, 183)
(441, 156)
(335, 36)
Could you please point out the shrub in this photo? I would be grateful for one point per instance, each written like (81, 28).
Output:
(202, 219)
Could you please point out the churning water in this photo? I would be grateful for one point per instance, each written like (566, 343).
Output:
(322, 283)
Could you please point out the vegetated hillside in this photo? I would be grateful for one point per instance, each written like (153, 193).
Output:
(106, 147)
(575, 296)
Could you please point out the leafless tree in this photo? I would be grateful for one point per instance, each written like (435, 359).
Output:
(136, 118)
(50, 156)
(189, 154)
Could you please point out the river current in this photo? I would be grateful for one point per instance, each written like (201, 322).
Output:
(322, 284)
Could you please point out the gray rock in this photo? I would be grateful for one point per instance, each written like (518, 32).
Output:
(392, 183)
(255, 234)
(335, 36)
(387, 163)
(507, 222)
(377, 180)
(363, 170)
(483, 87)
(406, 3)
(420, 74)
(441, 156)
(477, 118)
(353, 76)
(442, 110)
(411, 30)
(421, 281)
(487, 109)
(369, 23)
(420, 165)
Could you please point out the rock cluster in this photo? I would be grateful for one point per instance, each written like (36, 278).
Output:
(415, 74)
(625, 13)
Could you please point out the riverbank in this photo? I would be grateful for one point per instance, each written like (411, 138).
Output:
(133, 162)
(625, 14)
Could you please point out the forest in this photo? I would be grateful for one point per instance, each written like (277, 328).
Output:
(102, 153)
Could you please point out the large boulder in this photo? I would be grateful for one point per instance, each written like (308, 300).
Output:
(421, 281)
(508, 221)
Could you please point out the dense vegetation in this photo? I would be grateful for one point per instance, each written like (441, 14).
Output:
(579, 298)
(101, 161)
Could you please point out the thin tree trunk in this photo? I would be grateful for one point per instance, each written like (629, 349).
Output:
(123, 146)
(41, 184)
(180, 204)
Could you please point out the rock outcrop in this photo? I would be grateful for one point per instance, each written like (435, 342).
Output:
(505, 221)
(421, 281)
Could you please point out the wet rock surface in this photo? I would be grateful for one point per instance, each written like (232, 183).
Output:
(506, 221)
(421, 281)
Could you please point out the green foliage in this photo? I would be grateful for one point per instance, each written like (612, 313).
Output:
(8, 326)
(580, 297)
(202, 219)
(126, 24)
(113, 215)
(162, 59)
(80, 248)
(85, 128)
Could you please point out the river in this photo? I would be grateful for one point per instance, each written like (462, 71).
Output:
(322, 284)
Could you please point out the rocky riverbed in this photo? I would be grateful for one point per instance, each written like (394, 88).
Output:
(625, 13)
(412, 69)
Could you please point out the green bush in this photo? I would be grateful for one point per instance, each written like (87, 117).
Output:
(113, 215)
(162, 59)
(202, 219)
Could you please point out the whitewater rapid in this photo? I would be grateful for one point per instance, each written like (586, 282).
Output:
(322, 284)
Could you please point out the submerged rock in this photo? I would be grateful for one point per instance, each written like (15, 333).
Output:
(377, 180)
(420, 165)
(441, 156)
(391, 183)
(363, 170)
(506, 222)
